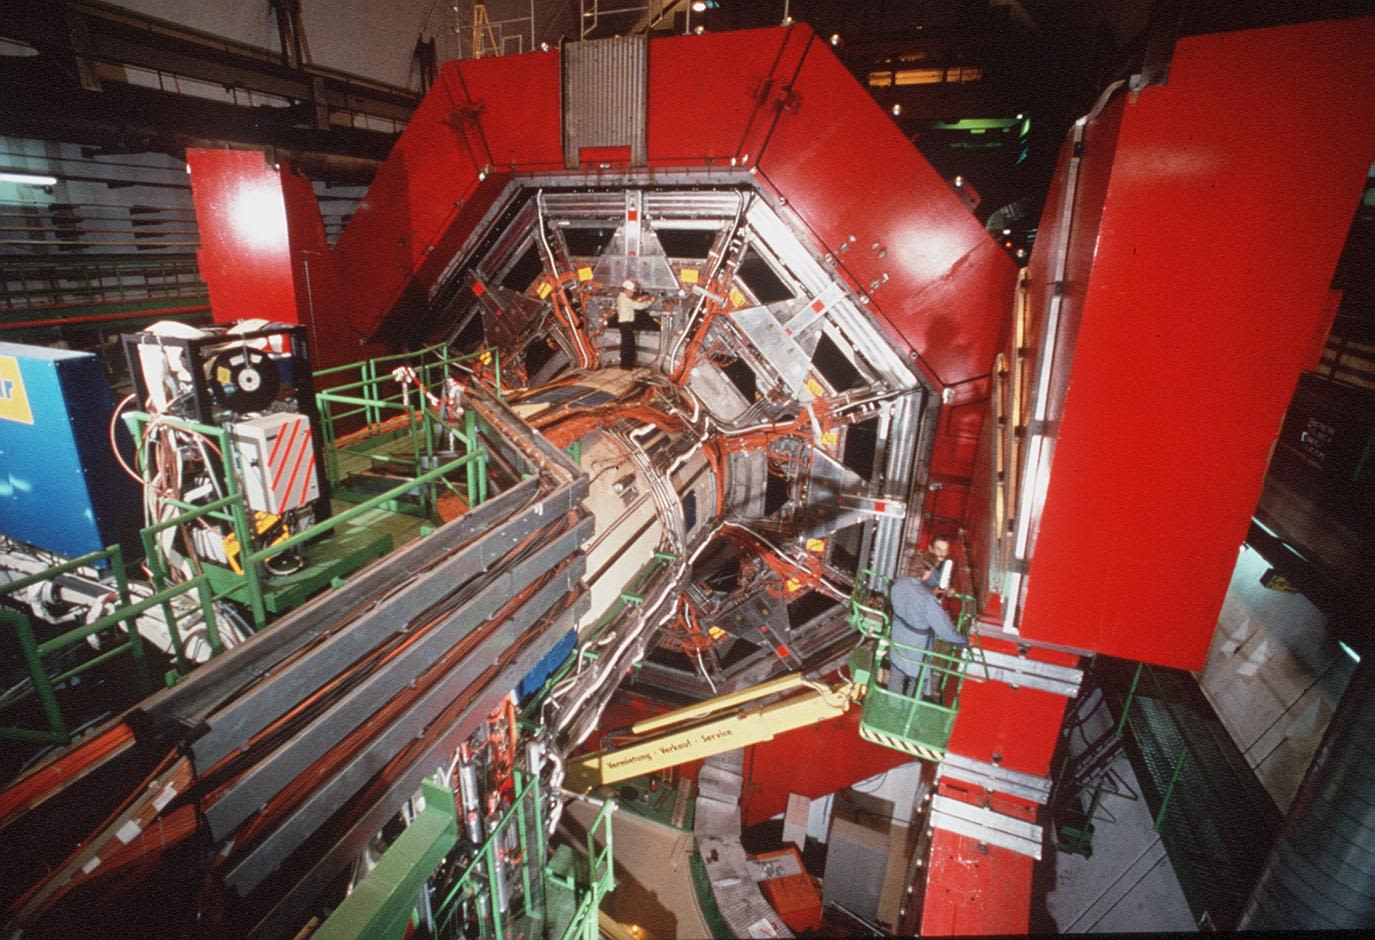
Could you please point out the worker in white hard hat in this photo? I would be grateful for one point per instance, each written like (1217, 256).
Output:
(629, 302)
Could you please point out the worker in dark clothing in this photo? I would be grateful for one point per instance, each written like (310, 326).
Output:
(918, 620)
(629, 303)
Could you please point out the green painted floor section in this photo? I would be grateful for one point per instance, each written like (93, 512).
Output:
(329, 560)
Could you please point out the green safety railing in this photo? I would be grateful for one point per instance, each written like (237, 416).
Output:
(1075, 823)
(233, 508)
(920, 723)
(526, 813)
(601, 879)
(366, 397)
(1128, 725)
(35, 653)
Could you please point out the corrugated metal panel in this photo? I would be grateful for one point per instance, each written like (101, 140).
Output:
(605, 84)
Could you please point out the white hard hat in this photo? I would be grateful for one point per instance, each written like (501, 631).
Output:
(629, 284)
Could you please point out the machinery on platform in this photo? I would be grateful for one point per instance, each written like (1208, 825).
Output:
(254, 380)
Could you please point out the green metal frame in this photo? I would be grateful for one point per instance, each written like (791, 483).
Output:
(233, 509)
(1078, 839)
(526, 813)
(366, 393)
(210, 584)
(383, 903)
(127, 614)
(909, 723)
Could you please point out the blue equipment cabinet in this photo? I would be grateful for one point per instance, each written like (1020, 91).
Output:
(60, 487)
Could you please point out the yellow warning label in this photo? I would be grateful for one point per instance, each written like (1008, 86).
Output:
(815, 388)
(737, 299)
(688, 275)
(544, 290)
(793, 585)
(816, 546)
(584, 274)
(715, 632)
(14, 401)
(829, 438)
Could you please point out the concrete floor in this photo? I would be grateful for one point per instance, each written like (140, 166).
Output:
(1274, 676)
(1127, 885)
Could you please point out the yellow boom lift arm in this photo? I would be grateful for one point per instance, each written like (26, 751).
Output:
(714, 727)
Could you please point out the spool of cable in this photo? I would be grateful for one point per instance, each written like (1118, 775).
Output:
(243, 379)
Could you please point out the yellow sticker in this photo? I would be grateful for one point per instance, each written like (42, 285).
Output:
(715, 632)
(737, 299)
(793, 585)
(816, 546)
(688, 275)
(815, 388)
(485, 357)
(14, 400)
(584, 274)
(829, 438)
(544, 290)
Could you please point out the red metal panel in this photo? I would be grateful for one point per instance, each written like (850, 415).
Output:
(846, 170)
(263, 252)
(516, 99)
(713, 98)
(973, 889)
(312, 271)
(245, 253)
(1015, 728)
(425, 180)
(811, 762)
(1228, 201)
(970, 892)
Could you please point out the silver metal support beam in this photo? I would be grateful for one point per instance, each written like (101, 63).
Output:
(1020, 672)
(994, 778)
(990, 828)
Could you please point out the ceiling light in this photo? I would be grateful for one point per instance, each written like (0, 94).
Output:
(700, 6)
(29, 179)
(897, 109)
(835, 39)
(959, 181)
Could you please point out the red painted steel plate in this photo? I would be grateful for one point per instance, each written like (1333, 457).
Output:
(714, 98)
(846, 170)
(811, 762)
(1230, 193)
(972, 892)
(245, 254)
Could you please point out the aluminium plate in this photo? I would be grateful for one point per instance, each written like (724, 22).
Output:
(986, 825)
(771, 339)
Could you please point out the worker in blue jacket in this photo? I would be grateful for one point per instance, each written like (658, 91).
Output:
(918, 620)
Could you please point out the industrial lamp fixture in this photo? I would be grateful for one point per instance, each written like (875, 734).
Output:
(27, 179)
